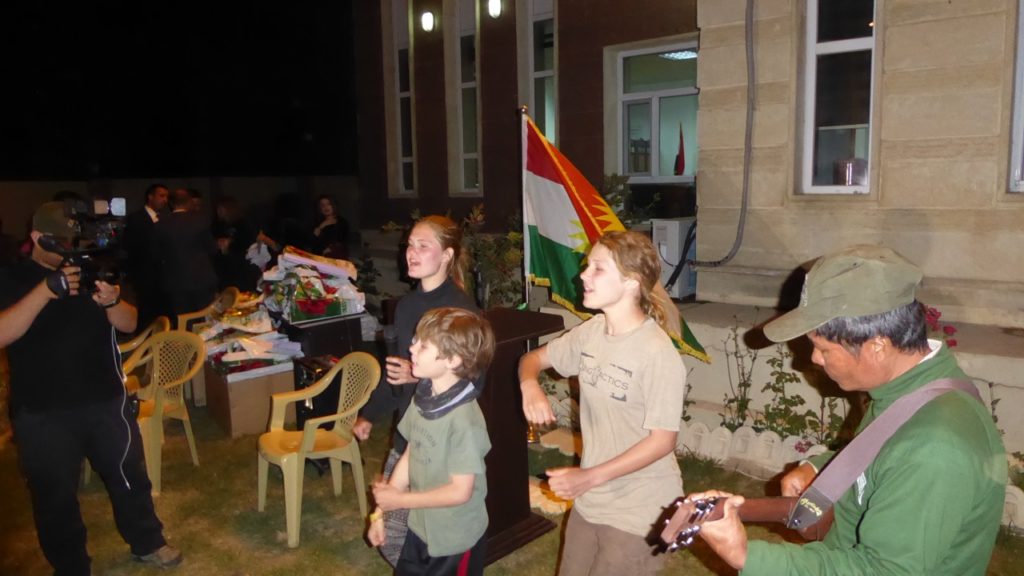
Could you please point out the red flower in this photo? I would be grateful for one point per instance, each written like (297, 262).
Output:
(951, 342)
(949, 330)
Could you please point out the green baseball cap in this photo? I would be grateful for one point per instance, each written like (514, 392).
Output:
(856, 281)
(50, 219)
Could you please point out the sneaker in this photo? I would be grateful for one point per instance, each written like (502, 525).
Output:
(166, 556)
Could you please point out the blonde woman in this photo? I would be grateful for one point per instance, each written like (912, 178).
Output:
(632, 383)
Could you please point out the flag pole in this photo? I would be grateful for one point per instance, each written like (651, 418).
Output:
(522, 113)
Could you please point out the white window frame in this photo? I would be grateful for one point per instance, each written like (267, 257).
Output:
(654, 98)
(460, 27)
(1016, 183)
(402, 160)
(396, 21)
(463, 155)
(534, 74)
(813, 50)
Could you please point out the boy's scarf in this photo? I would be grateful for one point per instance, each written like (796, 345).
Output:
(433, 406)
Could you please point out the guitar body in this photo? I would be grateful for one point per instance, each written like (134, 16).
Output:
(686, 518)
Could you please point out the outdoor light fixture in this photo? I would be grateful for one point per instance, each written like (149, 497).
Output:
(427, 21)
(494, 8)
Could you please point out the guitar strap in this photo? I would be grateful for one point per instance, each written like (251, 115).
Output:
(842, 470)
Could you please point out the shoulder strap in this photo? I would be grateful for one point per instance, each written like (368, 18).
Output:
(841, 472)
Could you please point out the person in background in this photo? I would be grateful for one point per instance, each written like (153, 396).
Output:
(141, 268)
(77, 407)
(632, 386)
(8, 247)
(233, 236)
(932, 499)
(195, 202)
(286, 227)
(330, 236)
(183, 248)
(436, 258)
(439, 478)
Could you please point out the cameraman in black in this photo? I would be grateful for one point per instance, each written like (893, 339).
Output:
(75, 407)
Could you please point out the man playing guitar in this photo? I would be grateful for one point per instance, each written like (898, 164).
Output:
(931, 501)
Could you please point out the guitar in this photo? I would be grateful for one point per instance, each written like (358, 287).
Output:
(686, 517)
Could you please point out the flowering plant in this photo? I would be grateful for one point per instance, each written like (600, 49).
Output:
(931, 316)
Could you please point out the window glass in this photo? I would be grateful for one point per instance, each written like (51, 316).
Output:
(468, 120)
(544, 113)
(663, 71)
(844, 19)
(407, 178)
(842, 112)
(544, 45)
(403, 70)
(467, 57)
(405, 110)
(638, 130)
(677, 129)
(471, 173)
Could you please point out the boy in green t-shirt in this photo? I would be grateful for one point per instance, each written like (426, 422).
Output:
(440, 477)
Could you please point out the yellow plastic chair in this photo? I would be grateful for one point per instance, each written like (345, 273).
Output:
(193, 322)
(289, 450)
(225, 300)
(159, 324)
(175, 356)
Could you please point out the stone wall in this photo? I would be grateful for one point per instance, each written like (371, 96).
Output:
(940, 148)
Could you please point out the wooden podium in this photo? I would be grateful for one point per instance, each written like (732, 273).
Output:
(512, 524)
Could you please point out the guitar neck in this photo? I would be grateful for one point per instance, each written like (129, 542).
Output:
(774, 510)
(767, 509)
(685, 517)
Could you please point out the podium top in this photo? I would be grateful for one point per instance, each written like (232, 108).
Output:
(513, 325)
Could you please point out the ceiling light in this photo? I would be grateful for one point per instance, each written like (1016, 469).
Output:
(679, 55)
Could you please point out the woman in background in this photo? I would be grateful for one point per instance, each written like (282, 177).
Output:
(330, 235)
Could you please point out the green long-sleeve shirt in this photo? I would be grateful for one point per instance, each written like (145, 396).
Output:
(930, 503)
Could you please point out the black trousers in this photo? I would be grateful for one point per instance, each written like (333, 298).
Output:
(51, 447)
(415, 561)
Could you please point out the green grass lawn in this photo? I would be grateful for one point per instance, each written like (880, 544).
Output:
(210, 513)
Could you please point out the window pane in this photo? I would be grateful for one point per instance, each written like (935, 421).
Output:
(544, 111)
(543, 45)
(842, 111)
(403, 70)
(844, 19)
(638, 138)
(407, 180)
(405, 108)
(470, 174)
(468, 58)
(677, 136)
(664, 71)
(468, 120)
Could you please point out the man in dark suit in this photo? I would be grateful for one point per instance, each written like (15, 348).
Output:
(138, 244)
(183, 248)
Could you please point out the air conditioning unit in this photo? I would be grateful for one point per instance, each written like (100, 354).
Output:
(668, 236)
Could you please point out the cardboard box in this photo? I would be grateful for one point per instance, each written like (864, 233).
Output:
(240, 402)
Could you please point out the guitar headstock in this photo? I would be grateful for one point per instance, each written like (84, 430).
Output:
(685, 522)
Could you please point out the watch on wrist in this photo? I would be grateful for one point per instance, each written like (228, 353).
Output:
(114, 302)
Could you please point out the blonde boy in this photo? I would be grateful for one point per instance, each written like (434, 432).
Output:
(440, 477)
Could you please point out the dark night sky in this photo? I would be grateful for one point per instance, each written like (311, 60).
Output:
(153, 90)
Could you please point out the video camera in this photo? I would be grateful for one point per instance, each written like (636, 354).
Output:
(98, 225)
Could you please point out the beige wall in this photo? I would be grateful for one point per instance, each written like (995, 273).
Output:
(940, 144)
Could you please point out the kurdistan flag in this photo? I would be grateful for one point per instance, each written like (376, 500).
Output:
(563, 215)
